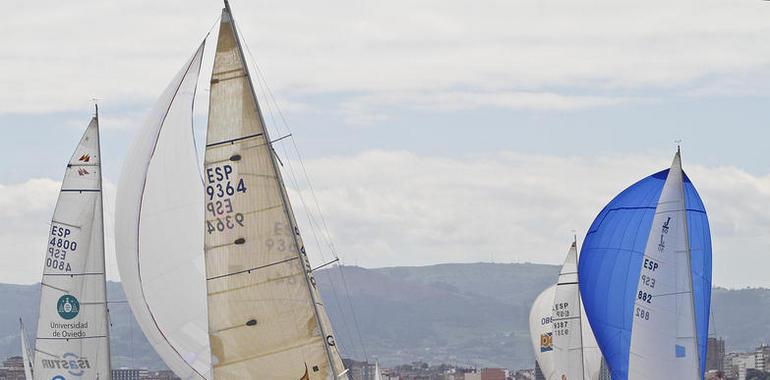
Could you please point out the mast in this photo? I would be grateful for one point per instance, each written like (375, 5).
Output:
(306, 269)
(580, 315)
(688, 254)
(104, 264)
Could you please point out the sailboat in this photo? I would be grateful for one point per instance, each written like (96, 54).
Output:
(645, 279)
(563, 341)
(25, 356)
(212, 260)
(377, 371)
(72, 329)
(541, 331)
(576, 354)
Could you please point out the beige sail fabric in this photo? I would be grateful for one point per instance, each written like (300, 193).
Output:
(72, 330)
(264, 310)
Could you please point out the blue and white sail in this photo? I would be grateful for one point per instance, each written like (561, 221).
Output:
(645, 279)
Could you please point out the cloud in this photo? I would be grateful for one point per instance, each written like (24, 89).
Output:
(57, 56)
(26, 209)
(388, 208)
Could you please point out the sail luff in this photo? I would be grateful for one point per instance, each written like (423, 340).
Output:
(305, 266)
(580, 317)
(688, 255)
(106, 349)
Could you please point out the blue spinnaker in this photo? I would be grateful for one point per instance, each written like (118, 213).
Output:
(611, 260)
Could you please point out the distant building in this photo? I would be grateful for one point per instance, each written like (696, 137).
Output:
(14, 362)
(763, 357)
(524, 374)
(538, 372)
(715, 355)
(161, 375)
(604, 371)
(129, 374)
(493, 374)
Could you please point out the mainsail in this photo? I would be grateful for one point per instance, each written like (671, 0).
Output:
(266, 318)
(72, 329)
(645, 279)
(575, 352)
(541, 331)
(25, 356)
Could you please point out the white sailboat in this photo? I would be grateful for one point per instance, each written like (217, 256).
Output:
(576, 354)
(25, 356)
(72, 329)
(377, 371)
(541, 331)
(664, 306)
(216, 272)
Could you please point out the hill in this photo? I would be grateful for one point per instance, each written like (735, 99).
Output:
(471, 314)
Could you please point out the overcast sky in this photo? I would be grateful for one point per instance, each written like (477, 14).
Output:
(432, 131)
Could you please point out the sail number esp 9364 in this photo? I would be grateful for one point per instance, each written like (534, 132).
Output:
(222, 186)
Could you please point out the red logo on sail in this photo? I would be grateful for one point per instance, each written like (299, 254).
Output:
(82, 172)
(85, 158)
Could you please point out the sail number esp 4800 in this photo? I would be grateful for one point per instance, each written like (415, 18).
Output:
(222, 186)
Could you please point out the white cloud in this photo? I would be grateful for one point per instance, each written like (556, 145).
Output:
(397, 208)
(57, 56)
(387, 208)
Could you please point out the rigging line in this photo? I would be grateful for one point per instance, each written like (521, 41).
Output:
(329, 241)
(271, 97)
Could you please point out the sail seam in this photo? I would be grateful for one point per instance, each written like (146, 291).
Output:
(253, 269)
(231, 141)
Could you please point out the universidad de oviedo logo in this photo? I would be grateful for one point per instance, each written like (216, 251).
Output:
(68, 306)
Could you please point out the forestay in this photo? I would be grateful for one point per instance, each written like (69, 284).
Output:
(72, 330)
(541, 331)
(266, 318)
(159, 230)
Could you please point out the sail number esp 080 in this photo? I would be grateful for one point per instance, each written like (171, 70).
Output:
(220, 190)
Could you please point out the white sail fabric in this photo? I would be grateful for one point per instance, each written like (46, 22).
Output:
(159, 233)
(663, 310)
(72, 329)
(25, 356)
(541, 331)
(575, 351)
(377, 371)
(265, 315)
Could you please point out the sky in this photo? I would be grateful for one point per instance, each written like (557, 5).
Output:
(431, 131)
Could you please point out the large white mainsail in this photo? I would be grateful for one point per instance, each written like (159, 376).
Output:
(159, 230)
(266, 318)
(25, 356)
(663, 310)
(576, 354)
(72, 329)
(541, 331)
